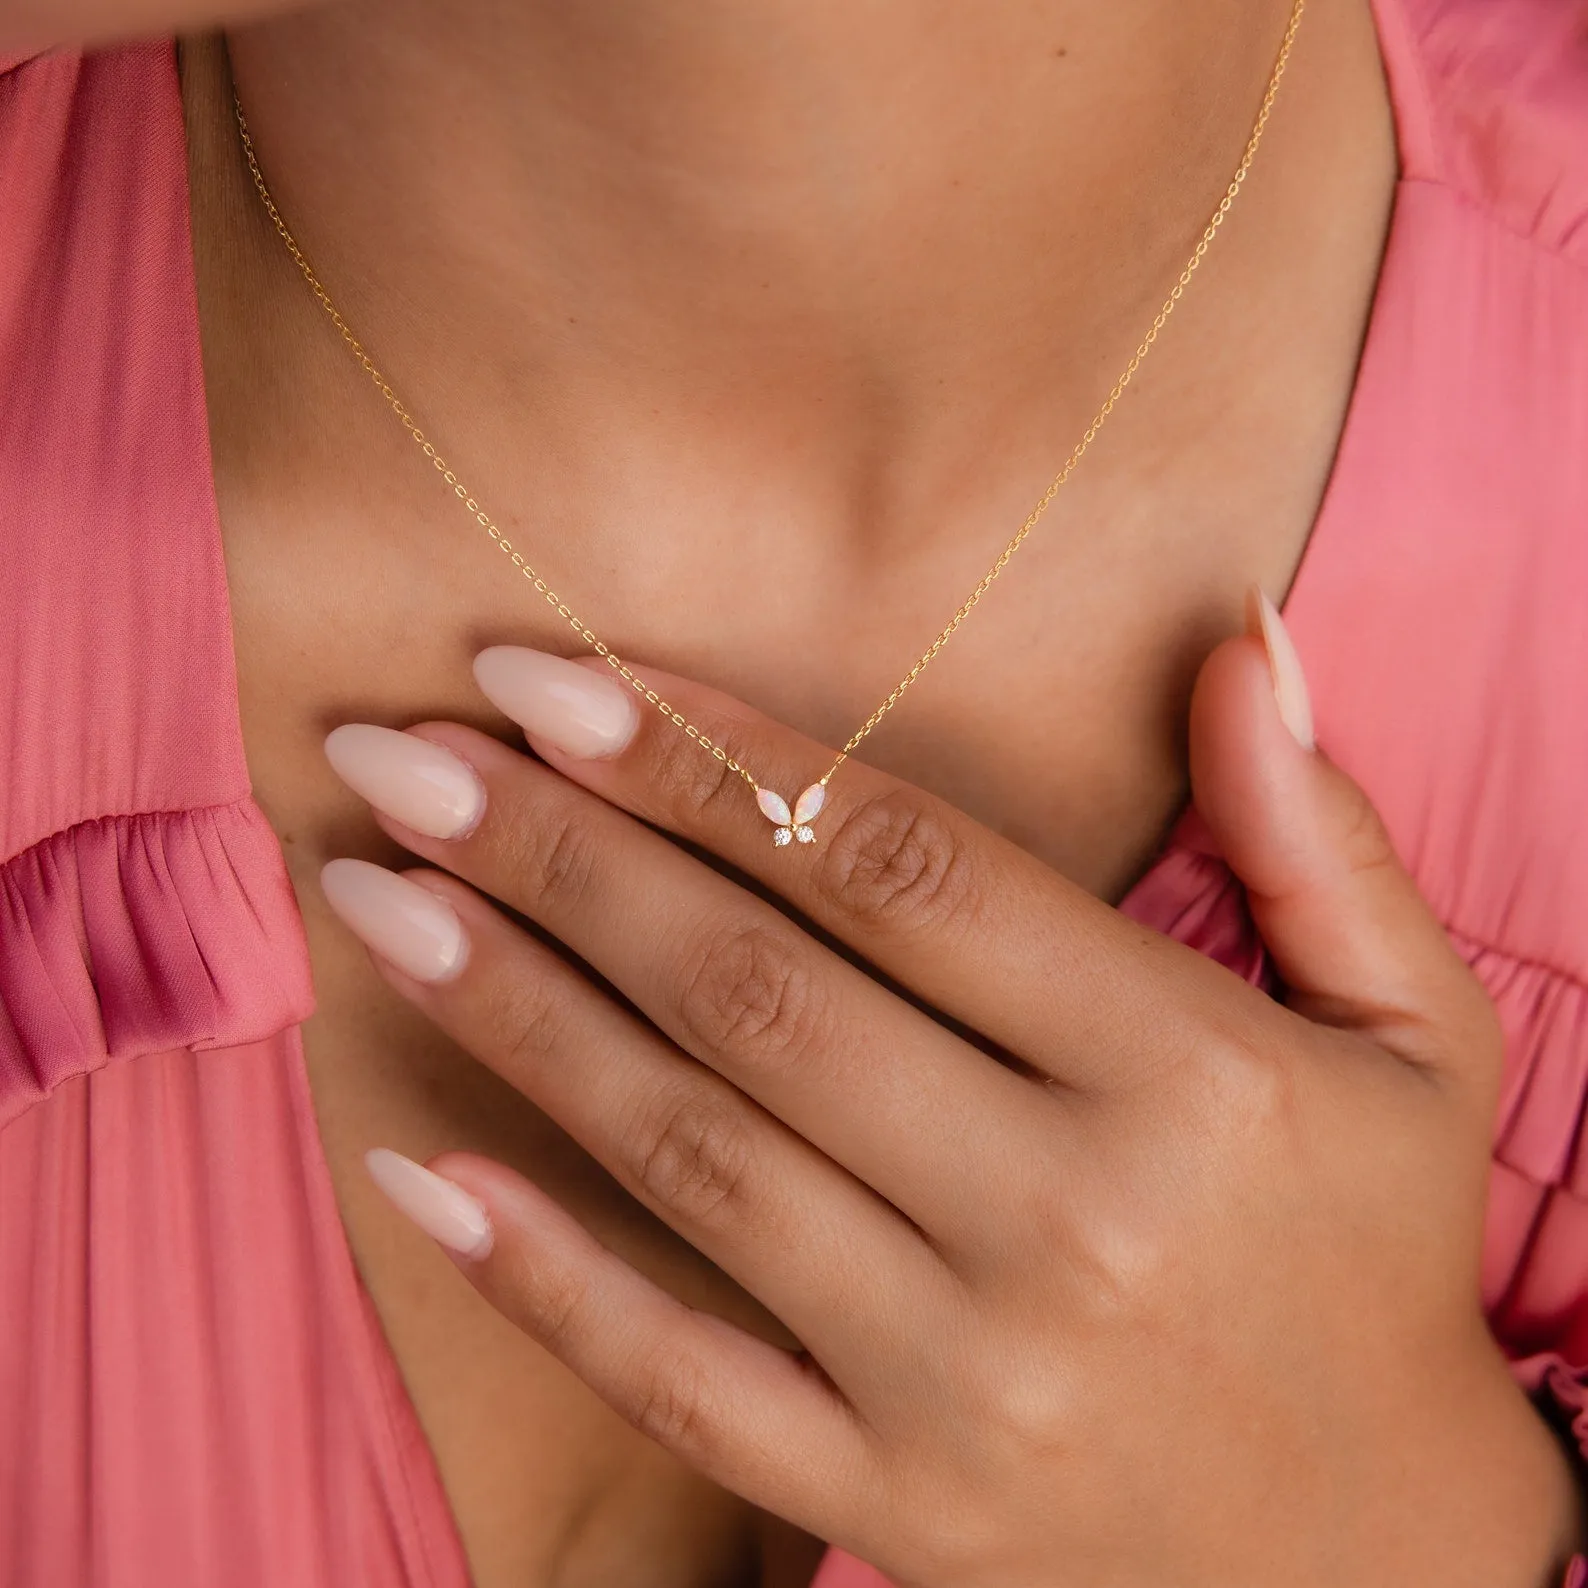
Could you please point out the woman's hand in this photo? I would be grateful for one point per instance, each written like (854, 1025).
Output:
(1115, 1271)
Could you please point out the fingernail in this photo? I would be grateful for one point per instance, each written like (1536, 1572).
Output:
(418, 782)
(401, 921)
(549, 697)
(1284, 666)
(444, 1211)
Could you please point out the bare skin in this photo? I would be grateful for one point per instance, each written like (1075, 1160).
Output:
(764, 330)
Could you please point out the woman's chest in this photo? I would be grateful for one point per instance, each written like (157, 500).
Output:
(359, 592)
(1056, 721)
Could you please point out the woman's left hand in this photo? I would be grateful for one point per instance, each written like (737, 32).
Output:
(1114, 1271)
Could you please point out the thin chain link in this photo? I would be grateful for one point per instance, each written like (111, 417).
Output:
(585, 633)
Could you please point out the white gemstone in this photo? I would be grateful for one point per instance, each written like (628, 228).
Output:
(809, 803)
(782, 836)
(805, 835)
(774, 807)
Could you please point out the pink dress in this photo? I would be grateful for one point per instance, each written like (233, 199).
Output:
(194, 1388)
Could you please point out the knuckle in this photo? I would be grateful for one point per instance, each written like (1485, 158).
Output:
(559, 1311)
(1366, 840)
(673, 1402)
(693, 1154)
(565, 861)
(1029, 1407)
(689, 783)
(749, 993)
(529, 1014)
(1024, 1405)
(1250, 1089)
(897, 863)
(553, 861)
(1124, 1271)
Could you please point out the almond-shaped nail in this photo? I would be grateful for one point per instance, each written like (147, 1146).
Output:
(444, 1211)
(420, 783)
(409, 925)
(578, 710)
(1284, 667)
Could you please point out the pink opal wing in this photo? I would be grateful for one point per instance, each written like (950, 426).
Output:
(809, 803)
(773, 806)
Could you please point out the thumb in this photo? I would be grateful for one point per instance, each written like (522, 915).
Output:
(1352, 938)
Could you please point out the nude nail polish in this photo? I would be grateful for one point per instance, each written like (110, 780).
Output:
(579, 711)
(418, 782)
(1284, 667)
(444, 1211)
(404, 923)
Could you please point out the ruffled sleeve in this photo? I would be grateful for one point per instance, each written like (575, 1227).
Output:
(144, 904)
(138, 934)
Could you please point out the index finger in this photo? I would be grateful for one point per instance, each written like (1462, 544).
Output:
(965, 919)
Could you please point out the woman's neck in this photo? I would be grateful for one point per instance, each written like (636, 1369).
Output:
(868, 226)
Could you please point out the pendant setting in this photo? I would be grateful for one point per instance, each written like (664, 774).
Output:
(796, 824)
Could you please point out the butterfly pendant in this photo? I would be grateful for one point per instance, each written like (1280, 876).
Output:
(795, 824)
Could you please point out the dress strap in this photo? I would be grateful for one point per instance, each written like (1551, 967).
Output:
(116, 661)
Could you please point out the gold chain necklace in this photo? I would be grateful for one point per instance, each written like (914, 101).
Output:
(792, 823)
